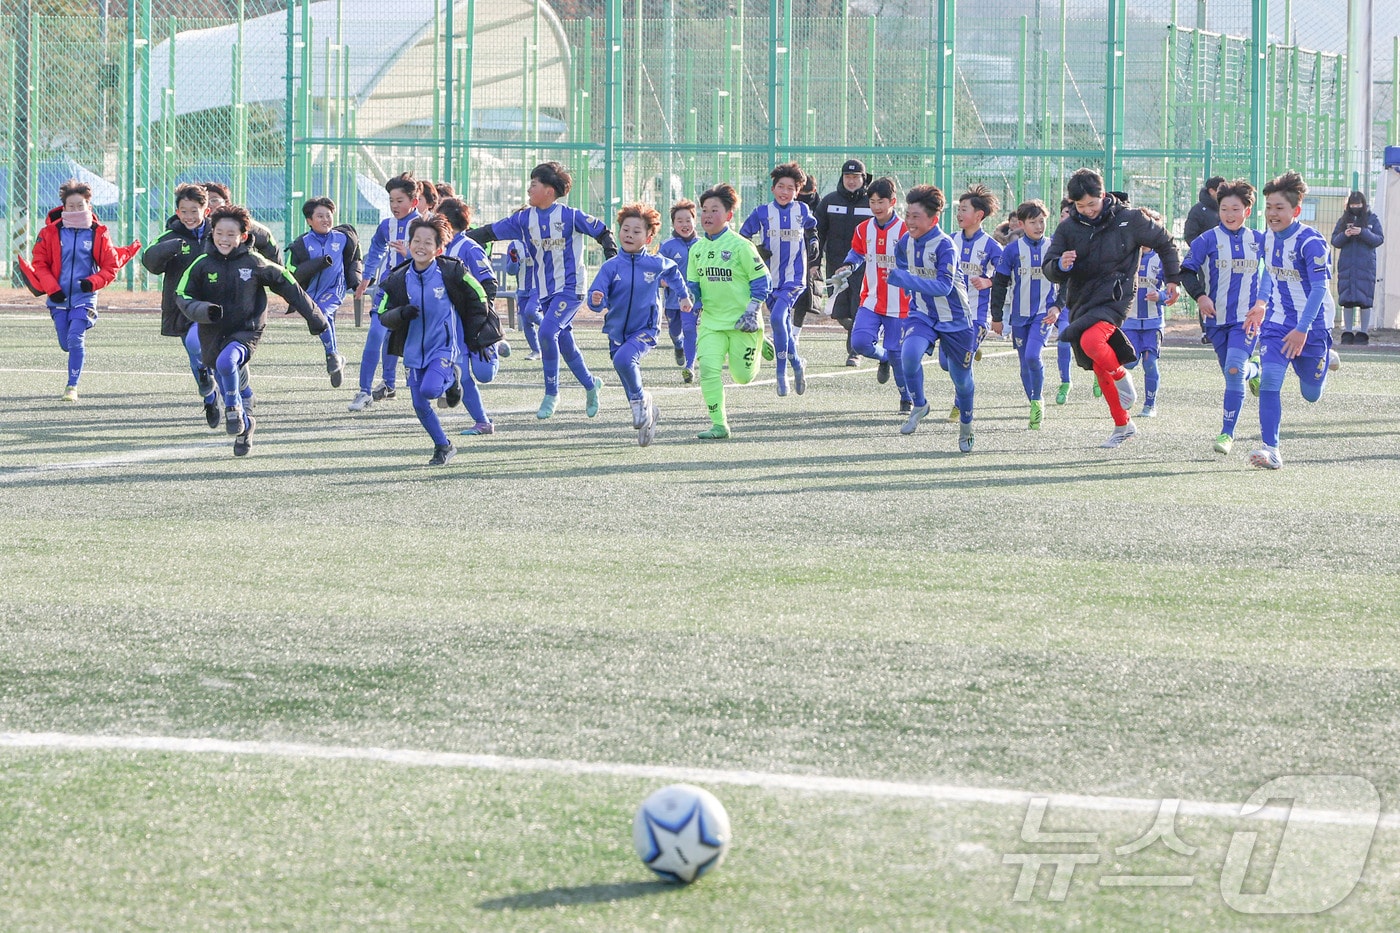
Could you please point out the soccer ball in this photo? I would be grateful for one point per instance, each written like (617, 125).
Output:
(681, 832)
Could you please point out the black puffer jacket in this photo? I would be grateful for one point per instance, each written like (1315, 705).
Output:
(1108, 248)
(170, 256)
(838, 214)
(1204, 215)
(237, 285)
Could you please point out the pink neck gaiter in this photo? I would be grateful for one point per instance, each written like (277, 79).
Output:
(77, 220)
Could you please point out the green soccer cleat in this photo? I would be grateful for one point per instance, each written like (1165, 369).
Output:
(687, 375)
(1223, 443)
(1062, 396)
(547, 407)
(954, 415)
(716, 433)
(70, 394)
(1254, 379)
(1098, 390)
(590, 407)
(770, 353)
(1037, 413)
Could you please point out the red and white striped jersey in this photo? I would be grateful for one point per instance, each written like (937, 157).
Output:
(874, 245)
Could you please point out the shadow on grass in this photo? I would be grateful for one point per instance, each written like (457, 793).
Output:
(581, 894)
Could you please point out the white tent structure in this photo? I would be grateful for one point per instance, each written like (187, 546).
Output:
(389, 52)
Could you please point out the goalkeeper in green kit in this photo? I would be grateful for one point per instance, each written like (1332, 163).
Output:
(729, 280)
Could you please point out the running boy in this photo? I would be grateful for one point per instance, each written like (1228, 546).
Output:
(224, 291)
(434, 308)
(180, 244)
(679, 324)
(326, 262)
(926, 268)
(1293, 313)
(785, 232)
(1033, 307)
(553, 236)
(729, 280)
(1222, 274)
(978, 253)
(74, 259)
(387, 249)
(628, 287)
(878, 331)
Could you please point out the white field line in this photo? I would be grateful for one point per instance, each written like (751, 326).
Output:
(138, 456)
(57, 741)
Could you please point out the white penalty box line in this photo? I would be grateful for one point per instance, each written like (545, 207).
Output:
(808, 783)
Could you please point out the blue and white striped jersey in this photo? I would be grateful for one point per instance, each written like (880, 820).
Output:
(553, 239)
(926, 268)
(1298, 262)
(473, 256)
(977, 256)
(381, 258)
(1142, 313)
(783, 232)
(1227, 263)
(1032, 294)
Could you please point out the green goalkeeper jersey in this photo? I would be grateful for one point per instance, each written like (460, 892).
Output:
(725, 274)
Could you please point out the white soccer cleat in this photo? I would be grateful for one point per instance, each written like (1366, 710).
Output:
(918, 414)
(1334, 360)
(1148, 411)
(1266, 458)
(647, 433)
(639, 411)
(1120, 434)
(1127, 392)
(361, 401)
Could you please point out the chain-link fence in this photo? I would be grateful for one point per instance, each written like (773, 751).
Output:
(645, 103)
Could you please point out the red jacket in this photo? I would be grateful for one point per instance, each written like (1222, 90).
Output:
(42, 276)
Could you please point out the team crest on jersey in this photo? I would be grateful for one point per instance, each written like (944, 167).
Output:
(649, 276)
(558, 226)
(213, 277)
(336, 247)
(245, 274)
(726, 255)
(439, 292)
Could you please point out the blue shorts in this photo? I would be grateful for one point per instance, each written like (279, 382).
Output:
(1271, 343)
(1145, 341)
(957, 344)
(1227, 337)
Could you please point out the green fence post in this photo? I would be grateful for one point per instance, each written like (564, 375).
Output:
(1257, 76)
(943, 130)
(21, 144)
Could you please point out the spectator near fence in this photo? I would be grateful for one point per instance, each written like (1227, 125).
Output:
(1204, 216)
(1357, 237)
(838, 215)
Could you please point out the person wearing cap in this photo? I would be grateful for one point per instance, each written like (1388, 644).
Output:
(838, 216)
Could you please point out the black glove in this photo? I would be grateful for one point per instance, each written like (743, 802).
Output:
(86, 286)
(58, 297)
(326, 262)
(409, 312)
(215, 313)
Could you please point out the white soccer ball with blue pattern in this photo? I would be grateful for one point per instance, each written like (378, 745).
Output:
(681, 832)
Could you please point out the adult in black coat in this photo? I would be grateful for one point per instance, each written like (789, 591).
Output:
(1204, 215)
(1357, 236)
(1093, 258)
(838, 214)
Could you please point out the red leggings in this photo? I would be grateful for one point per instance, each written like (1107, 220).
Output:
(1106, 367)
